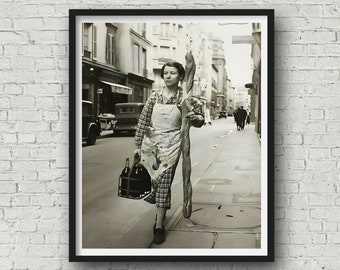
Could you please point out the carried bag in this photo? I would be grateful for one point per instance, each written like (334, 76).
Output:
(134, 182)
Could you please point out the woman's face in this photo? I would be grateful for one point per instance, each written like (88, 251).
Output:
(171, 76)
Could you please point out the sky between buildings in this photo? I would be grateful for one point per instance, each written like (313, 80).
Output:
(238, 56)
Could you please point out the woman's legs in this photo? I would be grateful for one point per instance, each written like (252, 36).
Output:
(163, 202)
(160, 215)
(159, 232)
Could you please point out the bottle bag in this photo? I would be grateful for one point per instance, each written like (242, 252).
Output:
(134, 182)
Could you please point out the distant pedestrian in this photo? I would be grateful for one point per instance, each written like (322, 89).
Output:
(243, 116)
(248, 118)
(207, 119)
(237, 118)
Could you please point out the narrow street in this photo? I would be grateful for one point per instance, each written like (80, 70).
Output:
(107, 220)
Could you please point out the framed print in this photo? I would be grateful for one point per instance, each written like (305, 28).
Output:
(171, 135)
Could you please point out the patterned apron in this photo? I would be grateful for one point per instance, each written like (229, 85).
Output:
(162, 142)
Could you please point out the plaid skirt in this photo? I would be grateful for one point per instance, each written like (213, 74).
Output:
(161, 193)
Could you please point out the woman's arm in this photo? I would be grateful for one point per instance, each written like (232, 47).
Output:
(144, 120)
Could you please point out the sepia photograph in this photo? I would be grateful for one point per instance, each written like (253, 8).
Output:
(171, 135)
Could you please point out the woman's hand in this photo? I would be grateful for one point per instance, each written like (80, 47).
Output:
(137, 153)
(197, 120)
(149, 131)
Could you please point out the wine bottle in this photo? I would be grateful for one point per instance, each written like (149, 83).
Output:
(124, 179)
(126, 169)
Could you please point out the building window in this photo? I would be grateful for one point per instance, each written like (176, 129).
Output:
(155, 29)
(136, 58)
(86, 27)
(138, 93)
(165, 52)
(87, 40)
(164, 30)
(111, 46)
(154, 52)
(94, 41)
(143, 63)
(112, 50)
(139, 59)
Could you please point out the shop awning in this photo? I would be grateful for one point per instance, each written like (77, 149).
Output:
(118, 88)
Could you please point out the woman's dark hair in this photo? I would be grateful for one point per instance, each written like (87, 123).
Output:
(177, 65)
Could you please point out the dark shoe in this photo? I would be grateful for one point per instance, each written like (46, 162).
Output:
(154, 225)
(159, 236)
(154, 229)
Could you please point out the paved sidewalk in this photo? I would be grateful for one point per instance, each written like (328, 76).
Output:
(226, 199)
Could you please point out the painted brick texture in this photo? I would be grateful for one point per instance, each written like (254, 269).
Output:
(34, 92)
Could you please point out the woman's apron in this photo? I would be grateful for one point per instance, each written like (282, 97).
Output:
(162, 142)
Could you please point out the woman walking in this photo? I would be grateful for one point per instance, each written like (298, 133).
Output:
(158, 140)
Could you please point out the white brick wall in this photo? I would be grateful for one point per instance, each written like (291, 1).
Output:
(34, 136)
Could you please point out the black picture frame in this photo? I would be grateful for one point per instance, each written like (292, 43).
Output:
(266, 17)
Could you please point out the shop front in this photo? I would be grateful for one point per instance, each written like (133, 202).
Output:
(142, 87)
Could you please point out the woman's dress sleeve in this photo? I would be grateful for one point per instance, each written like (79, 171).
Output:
(144, 120)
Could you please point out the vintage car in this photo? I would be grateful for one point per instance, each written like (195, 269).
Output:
(222, 114)
(127, 116)
(90, 123)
